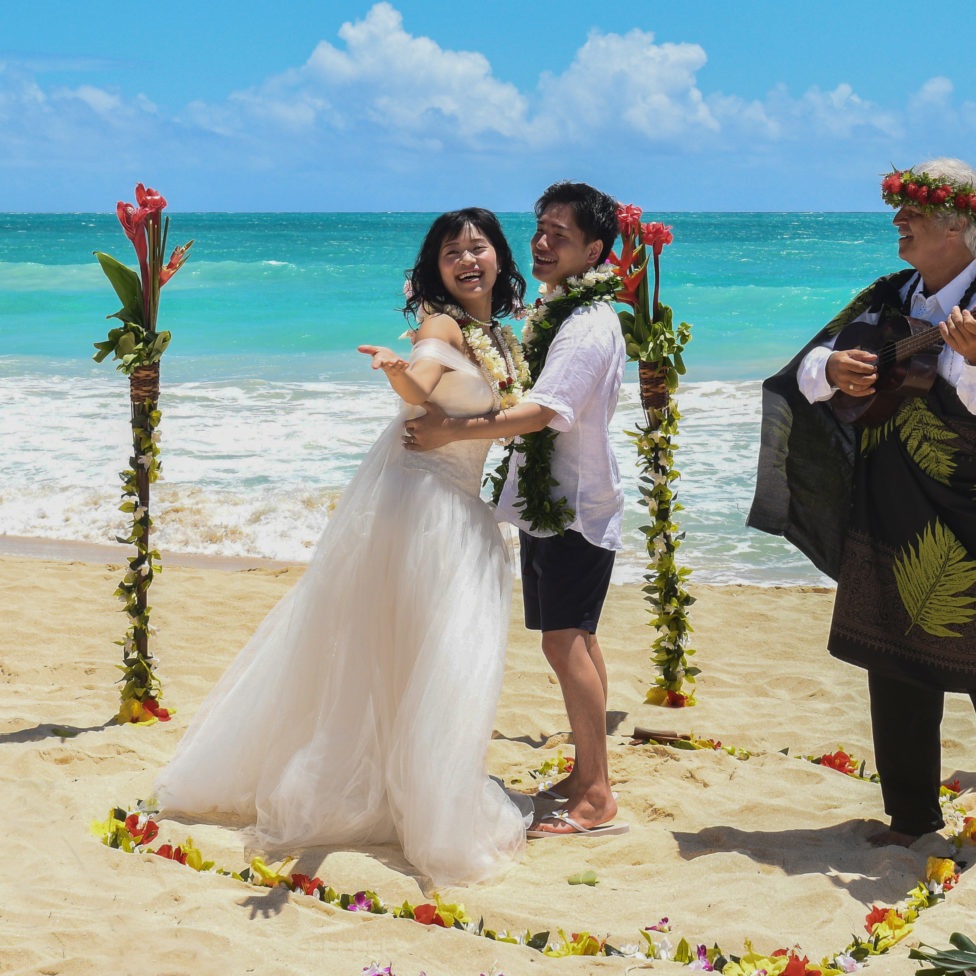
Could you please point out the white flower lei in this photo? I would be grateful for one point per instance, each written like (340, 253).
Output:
(579, 287)
(508, 380)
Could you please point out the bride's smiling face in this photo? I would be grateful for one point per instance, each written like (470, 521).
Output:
(469, 269)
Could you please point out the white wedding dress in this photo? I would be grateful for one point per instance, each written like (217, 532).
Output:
(360, 710)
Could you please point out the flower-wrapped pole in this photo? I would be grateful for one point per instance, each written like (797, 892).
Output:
(138, 347)
(657, 346)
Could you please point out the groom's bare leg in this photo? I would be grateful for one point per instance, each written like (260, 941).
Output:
(576, 658)
(567, 786)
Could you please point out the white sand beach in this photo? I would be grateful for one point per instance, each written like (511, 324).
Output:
(770, 849)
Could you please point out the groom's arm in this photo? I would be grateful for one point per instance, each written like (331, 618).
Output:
(435, 428)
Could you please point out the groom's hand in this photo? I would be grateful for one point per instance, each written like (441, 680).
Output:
(430, 431)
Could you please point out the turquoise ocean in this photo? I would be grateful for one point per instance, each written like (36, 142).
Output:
(268, 408)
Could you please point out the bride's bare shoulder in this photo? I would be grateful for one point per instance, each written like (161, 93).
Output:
(443, 327)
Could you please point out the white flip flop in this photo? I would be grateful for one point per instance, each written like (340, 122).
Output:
(577, 829)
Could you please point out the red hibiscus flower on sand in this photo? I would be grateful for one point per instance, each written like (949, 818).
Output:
(305, 884)
(427, 915)
(172, 853)
(143, 834)
(840, 761)
(797, 966)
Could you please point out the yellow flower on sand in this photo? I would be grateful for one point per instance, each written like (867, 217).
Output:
(132, 712)
(450, 912)
(269, 876)
(752, 964)
(891, 929)
(940, 869)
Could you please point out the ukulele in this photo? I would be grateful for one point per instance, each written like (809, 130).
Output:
(907, 350)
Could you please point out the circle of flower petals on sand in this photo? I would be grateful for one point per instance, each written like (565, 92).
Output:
(133, 831)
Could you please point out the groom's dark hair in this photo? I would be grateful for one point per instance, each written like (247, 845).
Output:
(596, 212)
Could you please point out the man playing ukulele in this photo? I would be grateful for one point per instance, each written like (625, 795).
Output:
(889, 510)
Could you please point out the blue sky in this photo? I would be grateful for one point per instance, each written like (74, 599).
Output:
(429, 105)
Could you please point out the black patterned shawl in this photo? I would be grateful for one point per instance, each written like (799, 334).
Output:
(889, 512)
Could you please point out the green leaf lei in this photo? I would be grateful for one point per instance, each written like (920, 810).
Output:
(535, 501)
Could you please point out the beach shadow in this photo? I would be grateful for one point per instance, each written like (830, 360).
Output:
(614, 721)
(312, 861)
(536, 743)
(269, 903)
(840, 853)
(47, 730)
(967, 780)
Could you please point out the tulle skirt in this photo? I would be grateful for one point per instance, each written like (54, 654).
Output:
(361, 709)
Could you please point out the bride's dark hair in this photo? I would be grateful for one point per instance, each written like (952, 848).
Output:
(424, 278)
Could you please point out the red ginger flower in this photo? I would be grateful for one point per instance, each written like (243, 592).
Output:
(626, 259)
(628, 218)
(149, 199)
(176, 261)
(628, 287)
(134, 224)
(675, 699)
(656, 235)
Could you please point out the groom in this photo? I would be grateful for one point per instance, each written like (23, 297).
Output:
(565, 576)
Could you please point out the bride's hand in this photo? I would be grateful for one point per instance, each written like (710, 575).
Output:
(385, 359)
(430, 431)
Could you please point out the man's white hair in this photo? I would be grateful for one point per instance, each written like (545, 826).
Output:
(948, 168)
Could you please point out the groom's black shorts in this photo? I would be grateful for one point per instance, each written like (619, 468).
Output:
(564, 581)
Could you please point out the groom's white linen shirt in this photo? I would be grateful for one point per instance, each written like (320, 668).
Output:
(812, 374)
(580, 381)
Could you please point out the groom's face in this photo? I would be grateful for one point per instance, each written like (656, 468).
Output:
(559, 247)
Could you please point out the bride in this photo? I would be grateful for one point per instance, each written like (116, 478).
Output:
(361, 709)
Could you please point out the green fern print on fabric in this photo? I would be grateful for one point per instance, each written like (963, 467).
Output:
(926, 437)
(933, 582)
(871, 437)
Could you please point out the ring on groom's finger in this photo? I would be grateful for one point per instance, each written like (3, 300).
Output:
(850, 386)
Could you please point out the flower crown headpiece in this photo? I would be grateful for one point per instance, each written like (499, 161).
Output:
(928, 194)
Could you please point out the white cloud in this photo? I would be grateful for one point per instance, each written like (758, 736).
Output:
(618, 82)
(404, 85)
(934, 95)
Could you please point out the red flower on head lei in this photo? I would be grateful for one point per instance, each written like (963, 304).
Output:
(928, 194)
